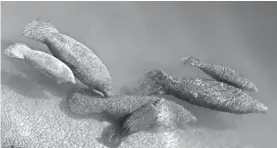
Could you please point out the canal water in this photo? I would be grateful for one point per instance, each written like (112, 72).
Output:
(133, 38)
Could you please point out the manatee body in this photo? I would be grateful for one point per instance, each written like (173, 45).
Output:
(210, 94)
(85, 64)
(83, 102)
(43, 62)
(222, 73)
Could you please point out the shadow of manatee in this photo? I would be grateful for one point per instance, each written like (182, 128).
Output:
(22, 85)
(206, 118)
(115, 126)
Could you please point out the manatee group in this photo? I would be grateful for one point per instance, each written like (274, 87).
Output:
(206, 93)
(133, 113)
(84, 63)
(82, 102)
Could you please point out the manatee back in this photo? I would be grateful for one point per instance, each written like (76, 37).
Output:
(50, 66)
(85, 64)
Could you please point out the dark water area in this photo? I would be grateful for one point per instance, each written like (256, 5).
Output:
(133, 38)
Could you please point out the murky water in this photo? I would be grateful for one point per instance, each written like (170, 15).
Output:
(134, 38)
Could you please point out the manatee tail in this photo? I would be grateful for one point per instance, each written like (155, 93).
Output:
(259, 107)
(191, 61)
(153, 83)
(17, 50)
(111, 138)
(39, 29)
(252, 87)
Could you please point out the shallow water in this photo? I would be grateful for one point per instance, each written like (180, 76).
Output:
(134, 38)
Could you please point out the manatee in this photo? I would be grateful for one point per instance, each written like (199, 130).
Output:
(222, 73)
(42, 62)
